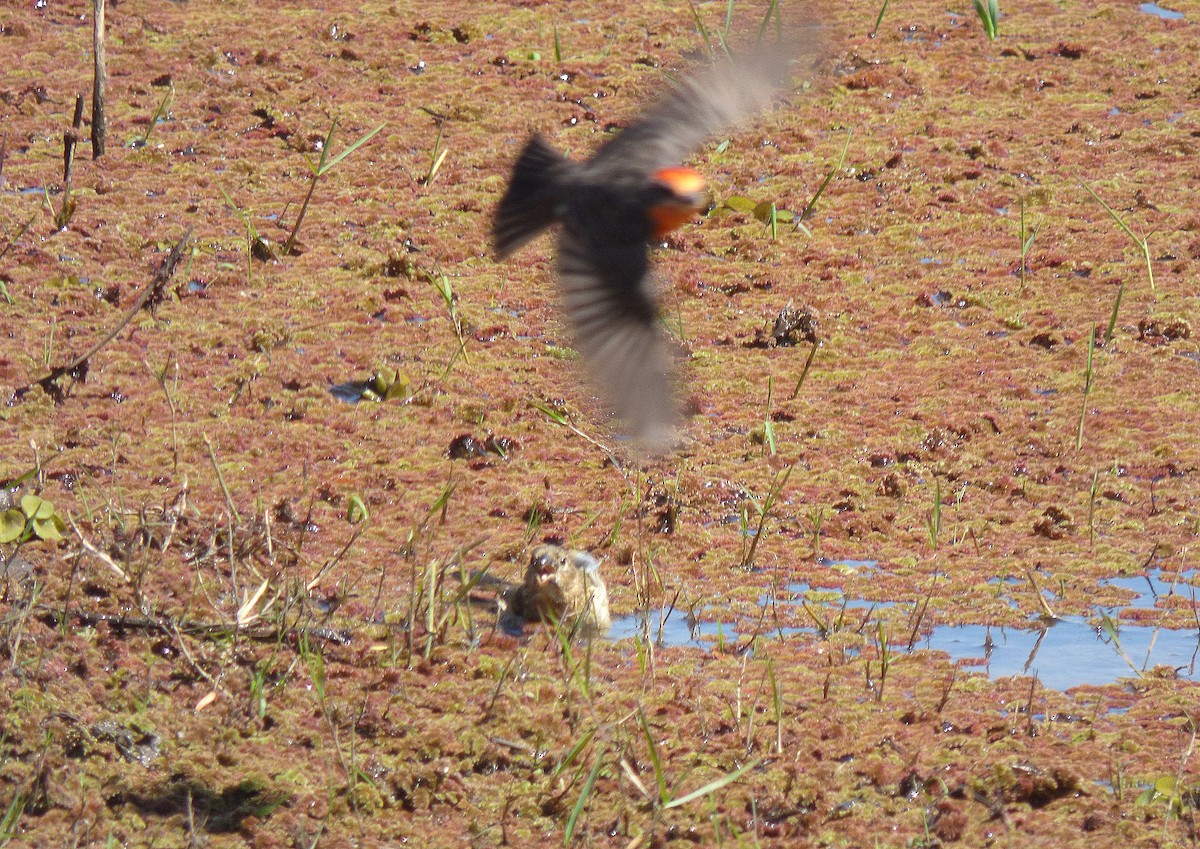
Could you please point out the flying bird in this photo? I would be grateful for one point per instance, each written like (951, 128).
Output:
(614, 206)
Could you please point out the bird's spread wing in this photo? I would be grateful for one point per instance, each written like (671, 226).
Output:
(696, 107)
(609, 300)
(603, 268)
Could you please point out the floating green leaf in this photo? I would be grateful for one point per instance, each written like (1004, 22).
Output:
(740, 203)
(37, 517)
(36, 508)
(767, 210)
(12, 525)
(49, 529)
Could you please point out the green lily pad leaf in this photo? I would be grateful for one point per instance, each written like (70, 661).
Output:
(36, 508)
(12, 525)
(764, 210)
(49, 529)
(739, 203)
(1165, 786)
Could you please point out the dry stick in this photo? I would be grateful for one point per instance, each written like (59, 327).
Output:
(70, 139)
(95, 552)
(1029, 732)
(263, 632)
(154, 288)
(161, 380)
(24, 228)
(21, 232)
(946, 691)
(20, 630)
(99, 79)
(803, 374)
(3, 156)
(912, 637)
(1047, 611)
(234, 516)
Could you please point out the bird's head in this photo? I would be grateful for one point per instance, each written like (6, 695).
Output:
(681, 195)
(545, 565)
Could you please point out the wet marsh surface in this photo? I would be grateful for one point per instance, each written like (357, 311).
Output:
(933, 585)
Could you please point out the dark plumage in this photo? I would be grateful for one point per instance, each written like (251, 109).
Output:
(630, 193)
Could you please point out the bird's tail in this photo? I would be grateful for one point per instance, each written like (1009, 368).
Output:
(528, 207)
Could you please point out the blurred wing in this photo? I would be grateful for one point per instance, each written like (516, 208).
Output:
(721, 96)
(530, 202)
(609, 301)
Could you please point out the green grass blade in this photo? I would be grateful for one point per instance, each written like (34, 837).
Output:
(1120, 221)
(1087, 388)
(1112, 319)
(712, 786)
(326, 167)
(326, 146)
(989, 14)
(879, 20)
(570, 757)
(8, 825)
(812, 355)
(659, 775)
(772, 12)
(1142, 242)
(251, 231)
(549, 412)
(705, 36)
(584, 795)
(828, 177)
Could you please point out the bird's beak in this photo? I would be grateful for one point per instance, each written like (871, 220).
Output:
(545, 568)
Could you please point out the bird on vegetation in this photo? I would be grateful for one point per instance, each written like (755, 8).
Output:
(630, 194)
(561, 585)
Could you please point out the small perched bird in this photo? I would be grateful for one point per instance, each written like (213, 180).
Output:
(631, 193)
(563, 585)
